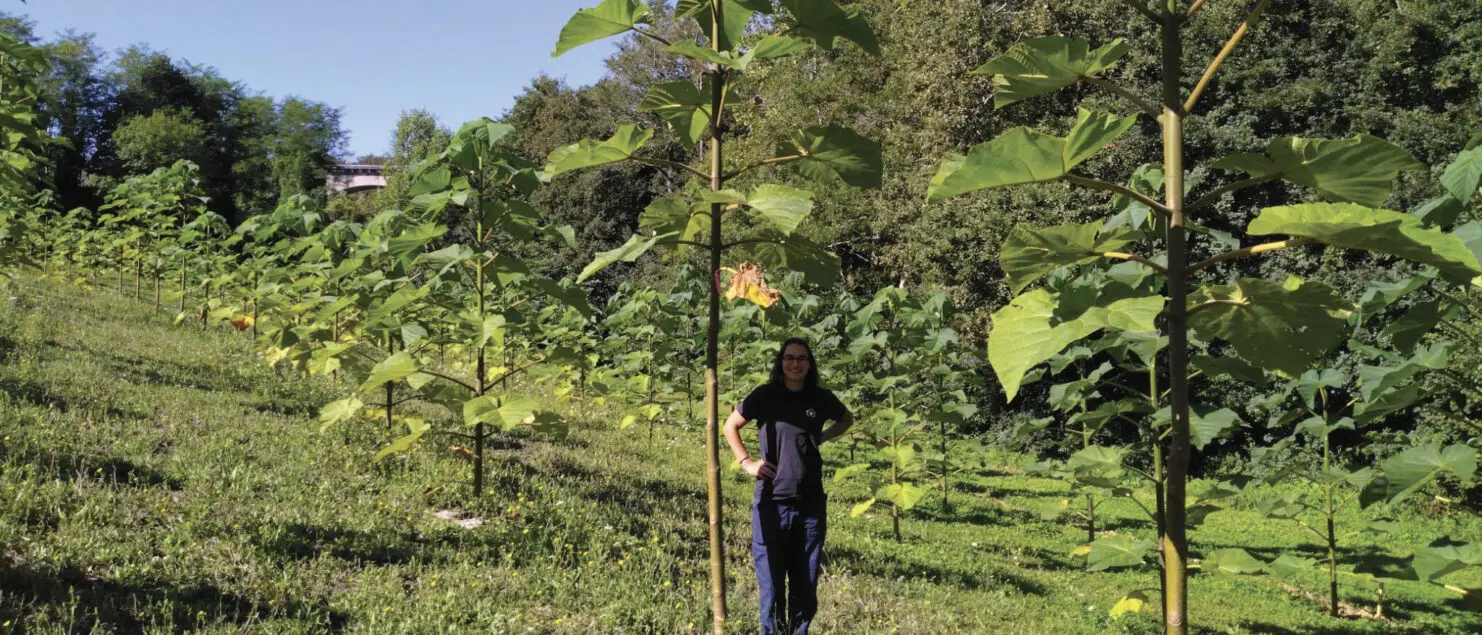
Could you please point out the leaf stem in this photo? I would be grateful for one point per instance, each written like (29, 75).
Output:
(1249, 251)
(749, 241)
(673, 165)
(1213, 303)
(1212, 197)
(1123, 92)
(651, 36)
(1118, 189)
(762, 163)
(1136, 258)
(1214, 66)
(448, 378)
(1141, 7)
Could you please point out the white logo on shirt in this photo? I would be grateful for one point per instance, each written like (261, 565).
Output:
(812, 414)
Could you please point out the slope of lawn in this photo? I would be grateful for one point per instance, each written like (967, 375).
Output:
(160, 478)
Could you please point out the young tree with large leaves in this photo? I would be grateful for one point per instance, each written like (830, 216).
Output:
(1281, 326)
(696, 112)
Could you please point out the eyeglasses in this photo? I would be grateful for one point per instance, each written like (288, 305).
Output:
(794, 358)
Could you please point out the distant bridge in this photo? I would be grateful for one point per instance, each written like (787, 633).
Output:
(348, 178)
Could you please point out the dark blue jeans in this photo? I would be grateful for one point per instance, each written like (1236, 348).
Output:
(787, 543)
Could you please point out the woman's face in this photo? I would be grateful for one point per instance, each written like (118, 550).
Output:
(795, 362)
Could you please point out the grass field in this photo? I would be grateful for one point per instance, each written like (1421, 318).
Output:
(161, 478)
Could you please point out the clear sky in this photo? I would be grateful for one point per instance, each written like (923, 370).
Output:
(459, 59)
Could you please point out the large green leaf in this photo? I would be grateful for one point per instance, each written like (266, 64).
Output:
(392, 368)
(1380, 295)
(782, 206)
(1464, 175)
(410, 242)
(1387, 403)
(903, 495)
(1046, 64)
(506, 410)
(572, 296)
(683, 106)
(1282, 327)
(1358, 170)
(1407, 331)
(1232, 561)
(1022, 155)
(1378, 230)
(1442, 558)
(1470, 235)
(588, 153)
(674, 215)
(609, 18)
(1027, 331)
(825, 23)
(1030, 252)
(735, 14)
(797, 253)
(827, 153)
(338, 411)
(1409, 470)
(1117, 551)
(416, 427)
(1098, 461)
(628, 252)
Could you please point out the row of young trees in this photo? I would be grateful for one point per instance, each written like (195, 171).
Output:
(434, 303)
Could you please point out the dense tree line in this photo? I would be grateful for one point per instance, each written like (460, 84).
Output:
(130, 112)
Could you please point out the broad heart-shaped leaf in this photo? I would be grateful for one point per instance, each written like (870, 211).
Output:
(1408, 330)
(860, 509)
(392, 368)
(416, 427)
(507, 410)
(736, 15)
(1022, 155)
(825, 23)
(1380, 295)
(1232, 561)
(628, 252)
(1117, 551)
(1046, 64)
(1441, 211)
(588, 153)
(1133, 602)
(1409, 470)
(1359, 170)
(410, 242)
(1287, 565)
(1098, 461)
(1282, 327)
(1386, 403)
(1464, 175)
(827, 153)
(572, 296)
(1027, 331)
(782, 206)
(682, 106)
(1441, 558)
(674, 215)
(797, 253)
(607, 19)
(1203, 427)
(903, 495)
(338, 411)
(1377, 230)
(1029, 253)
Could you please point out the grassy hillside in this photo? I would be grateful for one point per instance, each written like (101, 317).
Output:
(160, 478)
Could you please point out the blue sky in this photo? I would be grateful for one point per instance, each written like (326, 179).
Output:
(459, 59)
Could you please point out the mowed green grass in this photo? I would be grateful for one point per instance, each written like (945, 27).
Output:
(160, 478)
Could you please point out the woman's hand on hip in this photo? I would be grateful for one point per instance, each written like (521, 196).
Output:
(759, 468)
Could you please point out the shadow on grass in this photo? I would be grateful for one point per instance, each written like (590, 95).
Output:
(117, 607)
(111, 471)
(302, 541)
(891, 568)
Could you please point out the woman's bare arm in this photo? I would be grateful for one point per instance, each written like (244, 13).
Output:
(840, 427)
(754, 467)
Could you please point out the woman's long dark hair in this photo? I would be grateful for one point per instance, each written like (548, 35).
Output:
(811, 381)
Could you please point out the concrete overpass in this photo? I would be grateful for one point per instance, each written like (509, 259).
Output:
(348, 178)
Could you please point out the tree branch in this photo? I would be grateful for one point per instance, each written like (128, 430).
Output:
(1249, 251)
(1193, 9)
(1214, 66)
(673, 165)
(758, 164)
(448, 378)
(748, 241)
(1136, 258)
(653, 37)
(1118, 189)
(519, 370)
(1120, 91)
(1141, 7)
(1212, 197)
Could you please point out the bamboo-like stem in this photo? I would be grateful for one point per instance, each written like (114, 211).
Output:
(1214, 196)
(1214, 66)
(1118, 189)
(1123, 92)
(1194, 8)
(1175, 545)
(712, 339)
(1117, 255)
(1248, 251)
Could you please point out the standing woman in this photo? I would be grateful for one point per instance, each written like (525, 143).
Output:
(789, 511)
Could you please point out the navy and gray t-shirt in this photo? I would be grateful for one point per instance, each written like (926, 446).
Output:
(790, 425)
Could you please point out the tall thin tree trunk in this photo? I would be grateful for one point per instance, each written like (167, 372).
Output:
(1175, 543)
(712, 341)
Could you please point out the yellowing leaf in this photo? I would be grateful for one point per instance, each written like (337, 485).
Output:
(1080, 551)
(1133, 603)
(749, 284)
(242, 322)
